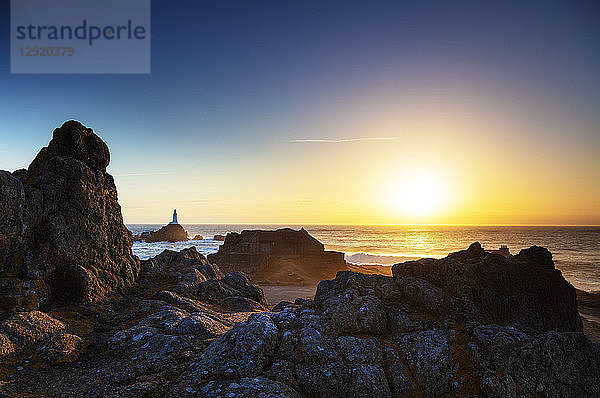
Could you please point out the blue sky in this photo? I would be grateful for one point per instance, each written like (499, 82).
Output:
(233, 83)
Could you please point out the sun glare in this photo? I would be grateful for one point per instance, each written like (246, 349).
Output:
(417, 194)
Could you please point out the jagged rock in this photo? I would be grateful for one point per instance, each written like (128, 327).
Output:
(184, 303)
(354, 303)
(360, 350)
(61, 228)
(198, 237)
(428, 354)
(214, 291)
(168, 329)
(245, 387)
(315, 347)
(167, 332)
(204, 325)
(187, 267)
(168, 233)
(7, 347)
(61, 348)
(244, 351)
(148, 348)
(234, 292)
(283, 372)
(516, 364)
(238, 303)
(172, 261)
(525, 291)
(211, 271)
(24, 331)
(241, 282)
(27, 328)
(220, 238)
(281, 306)
(284, 256)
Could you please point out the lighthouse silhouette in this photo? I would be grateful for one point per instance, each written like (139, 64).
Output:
(174, 217)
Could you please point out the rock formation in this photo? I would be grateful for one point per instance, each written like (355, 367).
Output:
(158, 325)
(220, 238)
(198, 237)
(168, 233)
(525, 291)
(187, 330)
(279, 257)
(61, 229)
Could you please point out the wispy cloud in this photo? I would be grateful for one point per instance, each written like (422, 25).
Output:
(341, 140)
(203, 201)
(143, 174)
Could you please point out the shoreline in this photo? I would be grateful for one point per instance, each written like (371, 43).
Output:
(588, 305)
(382, 245)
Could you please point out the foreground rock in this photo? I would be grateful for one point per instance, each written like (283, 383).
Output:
(61, 229)
(525, 291)
(130, 345)
(177, 334)
(278, 257)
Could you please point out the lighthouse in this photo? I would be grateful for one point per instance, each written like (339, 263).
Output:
(174, 217)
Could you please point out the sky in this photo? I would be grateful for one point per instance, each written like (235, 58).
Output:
(340, 112)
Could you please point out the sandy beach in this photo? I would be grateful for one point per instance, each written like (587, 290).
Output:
(589, 309)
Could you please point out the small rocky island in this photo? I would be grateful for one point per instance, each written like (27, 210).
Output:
(82, 316)
(279, 257)
(172, 232)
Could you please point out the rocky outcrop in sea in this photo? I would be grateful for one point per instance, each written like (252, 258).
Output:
(168, 233)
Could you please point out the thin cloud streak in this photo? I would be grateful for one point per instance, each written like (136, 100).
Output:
(143, 174)
(340, 141)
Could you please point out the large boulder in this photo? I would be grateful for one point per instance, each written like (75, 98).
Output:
(244, 350)
(355, 303)
(234, 292)
(187, 269)
(39, 335)
(525, 291)
(61, 228)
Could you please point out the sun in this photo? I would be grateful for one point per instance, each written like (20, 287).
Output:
(417, 194)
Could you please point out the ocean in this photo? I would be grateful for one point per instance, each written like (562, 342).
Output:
(576, 250)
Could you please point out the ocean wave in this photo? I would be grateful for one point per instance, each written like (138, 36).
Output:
(146, 250)
(361, 258)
